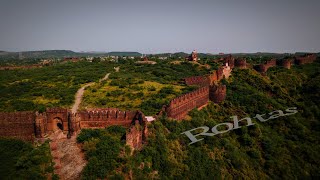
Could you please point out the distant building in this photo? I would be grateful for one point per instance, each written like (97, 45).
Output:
(72, 59)
(146, 61)
(163, 58)
(193, 56)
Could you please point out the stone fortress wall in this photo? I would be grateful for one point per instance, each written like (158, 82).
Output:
(17, 125)
(286, 63)
(209, 89)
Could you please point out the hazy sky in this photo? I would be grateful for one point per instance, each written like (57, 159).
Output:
(150, 26)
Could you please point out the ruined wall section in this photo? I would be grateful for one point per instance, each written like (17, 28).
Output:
(40, 124)
(179, 107)
(136, 134)
(230, 60)
(241, 63)
(309, 58)
(263, 68)
(18, 125)
(286, 63)
(218, 93)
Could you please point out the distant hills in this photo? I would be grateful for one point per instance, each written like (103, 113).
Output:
(68, 53)
(61, 54)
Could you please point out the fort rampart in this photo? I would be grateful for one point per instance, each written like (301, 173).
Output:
(179, 107)
(286, 63)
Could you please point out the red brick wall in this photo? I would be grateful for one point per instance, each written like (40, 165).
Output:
(263, 68)
(179, 107)
(105, 117)
(196, 80)
(218, 93)
(286, 63)
(241, 63)
(18, 125)
(309, 58)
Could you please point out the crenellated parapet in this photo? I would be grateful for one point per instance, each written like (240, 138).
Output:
(179, 107)
(196, 80)
(98, 118)
(28, 125)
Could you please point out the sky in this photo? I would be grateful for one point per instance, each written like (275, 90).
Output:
(149, 26)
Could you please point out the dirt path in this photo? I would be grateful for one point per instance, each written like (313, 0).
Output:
(78, 97)
(79, 94)
(105, 77)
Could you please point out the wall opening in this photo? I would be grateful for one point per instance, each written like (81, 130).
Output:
(57, 125)
(60, 126)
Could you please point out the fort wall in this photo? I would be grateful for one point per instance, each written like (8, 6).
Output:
(179, 107)
(241, 63)
(18, 125)
(309, 58)
(100, 118)
(196, 80)
(286, 63)
(263, 68)
(218, 93)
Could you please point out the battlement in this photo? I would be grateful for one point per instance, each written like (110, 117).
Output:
(105, 117)
(179, 107)
(196, 80)
(56, 110)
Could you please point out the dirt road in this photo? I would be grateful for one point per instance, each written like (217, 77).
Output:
(79, 94)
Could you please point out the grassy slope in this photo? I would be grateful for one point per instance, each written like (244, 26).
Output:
(35, 89)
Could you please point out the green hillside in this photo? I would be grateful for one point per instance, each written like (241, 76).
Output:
(282, 148)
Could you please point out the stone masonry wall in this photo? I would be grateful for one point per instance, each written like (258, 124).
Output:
(100, 118)
(179, 107)
(18, 125)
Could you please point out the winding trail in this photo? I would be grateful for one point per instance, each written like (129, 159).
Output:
(67, 154)
(79, 94)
